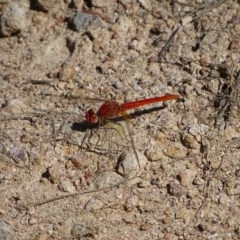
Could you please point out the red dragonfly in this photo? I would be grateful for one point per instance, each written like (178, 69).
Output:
(111, 109)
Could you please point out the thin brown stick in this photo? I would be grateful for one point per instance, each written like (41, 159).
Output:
(188, 19)
(78, 193)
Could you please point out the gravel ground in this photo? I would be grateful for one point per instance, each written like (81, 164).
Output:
(171, 171)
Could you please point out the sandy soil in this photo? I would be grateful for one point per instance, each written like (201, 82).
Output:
(58, 59)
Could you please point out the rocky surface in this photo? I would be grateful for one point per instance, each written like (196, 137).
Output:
(170, 172)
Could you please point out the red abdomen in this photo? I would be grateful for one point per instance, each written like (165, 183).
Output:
(131, 105)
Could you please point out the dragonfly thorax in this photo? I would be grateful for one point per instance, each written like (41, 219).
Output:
(91, 117)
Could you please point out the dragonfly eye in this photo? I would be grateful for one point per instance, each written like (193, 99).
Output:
(91, 116)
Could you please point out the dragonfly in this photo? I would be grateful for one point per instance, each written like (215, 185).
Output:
(111, 109)
(103, 138)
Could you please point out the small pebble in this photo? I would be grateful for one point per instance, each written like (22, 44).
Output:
(183, 214)
(82, 21)
(187, 177)
(195, 203)
(107, 179)
(153, 69)
(176, 150)
(32, 221)
(155, 181)
(131, 203)
(67, 186)
(175, 189)
(146, 4)
(18, 154)
(235, 44)
(100, 3)
(143, 184)
(145, 227)
(67, 73)
(42, 236)
(77, 164)
(224, 199)
(93, 204)
(154, 153)
(31, 210)
(193, 192)
(168, 211)
(122, 26)
(6, 231)
(133, 44)
(130, 218)
(213, 85)
(15, 106)
(13, 19)
(128, 164)
(198, 130)
(190, 142)
(69, 164)
(198, 181)
(65, 229)
(54, 173)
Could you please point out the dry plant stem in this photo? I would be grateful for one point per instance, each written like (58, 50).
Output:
(187, 19)
(170, 39)
(77, 193)
(133, 146)
(210, 177)
(199, 13)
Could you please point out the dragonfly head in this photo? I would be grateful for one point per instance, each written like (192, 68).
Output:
(91, 117)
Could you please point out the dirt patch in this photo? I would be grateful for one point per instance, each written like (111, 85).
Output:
(61, 180)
